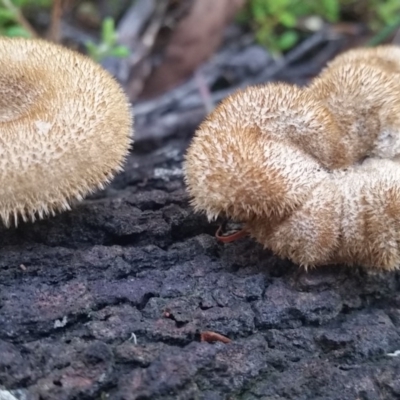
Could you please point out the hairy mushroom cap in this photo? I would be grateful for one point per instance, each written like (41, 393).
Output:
(65, 128)
(385, 57)
(259, 153)
(361, 90)
(313, 173)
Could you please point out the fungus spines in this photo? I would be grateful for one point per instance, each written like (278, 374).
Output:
(66, 128)
(330, 191)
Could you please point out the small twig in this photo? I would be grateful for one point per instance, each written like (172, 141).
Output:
(147, 41)
(204, 91)
(133, 22)
(60, 7)
(230, 238)
(396, 39)
(188, 92)
(56, 14)
(134, 338)
(20, 17)
(209, 336)
(297, 53)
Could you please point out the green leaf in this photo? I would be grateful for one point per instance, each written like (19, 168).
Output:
(264, 35)
(45, 3)
(287, 40)
(17, 31)
(331, 9)
(279, 6)
(108, 34)
(7, 14)
(92, 50)
(288, 20)
(120, 51)
(19, 3)
(259, 10)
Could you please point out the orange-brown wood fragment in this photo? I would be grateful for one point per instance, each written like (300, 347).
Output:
(210, 337)
(230, 238)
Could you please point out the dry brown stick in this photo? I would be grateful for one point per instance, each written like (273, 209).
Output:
(193, 41)
(147, 42)
(190, 94)
(210, 337)
(134, 21)
(54, 33)
(204, 91)
(59, 8)
(19, 17)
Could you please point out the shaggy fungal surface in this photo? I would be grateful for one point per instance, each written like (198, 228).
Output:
(65, 128)
(312, 172)
(108, 302)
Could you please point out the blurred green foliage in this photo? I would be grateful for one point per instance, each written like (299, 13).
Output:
(10, 25)
(383, 13)
(276, 22)
(108, 46)
(9, 9)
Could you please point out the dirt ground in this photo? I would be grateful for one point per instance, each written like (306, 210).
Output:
(108, 302)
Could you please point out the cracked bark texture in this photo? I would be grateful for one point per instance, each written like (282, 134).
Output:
(77, 290)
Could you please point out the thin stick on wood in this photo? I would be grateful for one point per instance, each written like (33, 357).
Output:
(230, 238)
(210, 337)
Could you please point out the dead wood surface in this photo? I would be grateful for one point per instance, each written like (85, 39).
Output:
(110, 301)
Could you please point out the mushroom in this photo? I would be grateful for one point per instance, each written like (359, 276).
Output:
(361, 90)
(312, 172)
(65, 128)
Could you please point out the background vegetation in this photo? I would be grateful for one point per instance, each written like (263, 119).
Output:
(13, 22)
(280, 24)
(277, 24)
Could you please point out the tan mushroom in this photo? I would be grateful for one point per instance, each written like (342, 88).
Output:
(65, 128)
(312, 173)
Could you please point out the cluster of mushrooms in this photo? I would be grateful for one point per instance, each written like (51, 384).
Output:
(311, 172)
